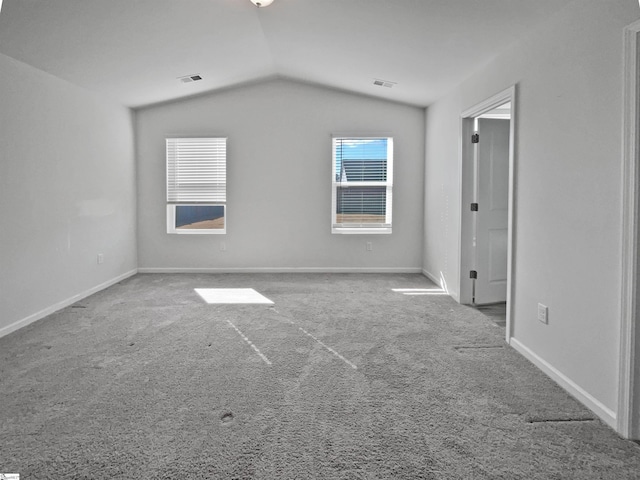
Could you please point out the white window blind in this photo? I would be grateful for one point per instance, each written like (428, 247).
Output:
(196, 170)
(362, 184)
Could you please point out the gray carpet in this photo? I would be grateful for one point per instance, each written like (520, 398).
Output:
(146, 381)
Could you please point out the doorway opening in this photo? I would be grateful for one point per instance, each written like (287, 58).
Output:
(487, 200)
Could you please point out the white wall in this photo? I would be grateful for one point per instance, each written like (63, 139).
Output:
(67, 193)
(568, 190)
(279, 180)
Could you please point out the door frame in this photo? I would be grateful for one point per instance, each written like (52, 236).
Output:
(466, 188)
(628, 414)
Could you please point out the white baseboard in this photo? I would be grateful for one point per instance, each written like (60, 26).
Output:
(283, 270)
(65, 303)
(606, 414)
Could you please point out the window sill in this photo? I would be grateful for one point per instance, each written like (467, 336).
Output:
(361, 231)
(197, 232)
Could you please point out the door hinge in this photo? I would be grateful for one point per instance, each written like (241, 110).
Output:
(475, 138)
(473, 274)
(474, 207)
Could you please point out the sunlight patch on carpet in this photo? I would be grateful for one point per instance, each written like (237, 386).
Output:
(232, 296)
(420, 291)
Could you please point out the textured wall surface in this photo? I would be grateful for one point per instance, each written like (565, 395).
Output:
(567, 188)
(279, 179)
(67, 191)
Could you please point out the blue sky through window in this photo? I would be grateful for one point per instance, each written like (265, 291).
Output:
(359, 149)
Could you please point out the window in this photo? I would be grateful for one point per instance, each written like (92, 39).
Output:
(196, 185)
(362, 176)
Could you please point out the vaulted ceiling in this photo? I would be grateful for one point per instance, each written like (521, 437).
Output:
(134, 51)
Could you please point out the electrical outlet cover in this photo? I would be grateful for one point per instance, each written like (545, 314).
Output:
(543, 313)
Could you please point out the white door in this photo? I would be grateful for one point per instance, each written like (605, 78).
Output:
(492, 196)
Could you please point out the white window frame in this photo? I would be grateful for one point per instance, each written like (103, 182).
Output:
(215, 196)
(355, 228)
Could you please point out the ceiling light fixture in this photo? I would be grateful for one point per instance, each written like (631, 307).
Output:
(262, 3)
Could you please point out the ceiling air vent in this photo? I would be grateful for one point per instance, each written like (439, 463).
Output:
(190, 78)
(384, 83)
